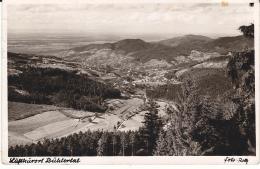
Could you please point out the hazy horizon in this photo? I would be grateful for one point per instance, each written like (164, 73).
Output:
(146, 21)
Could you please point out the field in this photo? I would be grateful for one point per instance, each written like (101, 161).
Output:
(27, 125)
(17, 111)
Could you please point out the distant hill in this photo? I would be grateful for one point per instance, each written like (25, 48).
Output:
(205, 44)
(126, 45)
(124, 50)
(132, 45)
(226, 44)
(186, 40)
(128, 51)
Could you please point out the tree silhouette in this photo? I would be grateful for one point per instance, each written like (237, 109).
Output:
(152, 125)
(248, 31)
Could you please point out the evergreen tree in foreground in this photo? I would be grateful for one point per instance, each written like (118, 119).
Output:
(204, 126)
(241, 70)
(102, 145)
(152, 126)
(175, 139)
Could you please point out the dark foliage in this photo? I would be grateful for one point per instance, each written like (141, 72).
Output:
(73, 145)
(248, 31)
(200, 126)
(203, 125)
(169, 91)
(152, 127)
(59, 87)
(241, 70)
(96, 143)
(242, 73)
(210, 82)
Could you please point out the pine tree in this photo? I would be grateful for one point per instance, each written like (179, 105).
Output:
(175, 138)
(102, 145)
(123, 143)
(152, 126)
(114, 140)
(132, 142)
(241, 70)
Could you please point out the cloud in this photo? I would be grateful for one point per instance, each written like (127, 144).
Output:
(129, 18)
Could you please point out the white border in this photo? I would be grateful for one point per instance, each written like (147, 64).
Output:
(4, 108)
(128, 160)
(124, 1)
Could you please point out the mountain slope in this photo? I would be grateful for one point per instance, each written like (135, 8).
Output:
(130, 52)
(185, 40)
(226, 44)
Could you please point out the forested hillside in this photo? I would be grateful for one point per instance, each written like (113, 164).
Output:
(206, 126)
(210, 82)
(59, 87)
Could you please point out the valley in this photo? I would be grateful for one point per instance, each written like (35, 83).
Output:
(131, 71)
(130, 79)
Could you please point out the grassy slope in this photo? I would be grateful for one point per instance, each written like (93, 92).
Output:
(17, 111)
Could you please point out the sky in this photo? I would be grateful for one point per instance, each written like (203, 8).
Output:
(130, 20)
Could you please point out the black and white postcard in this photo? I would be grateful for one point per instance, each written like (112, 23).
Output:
(130, 82)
